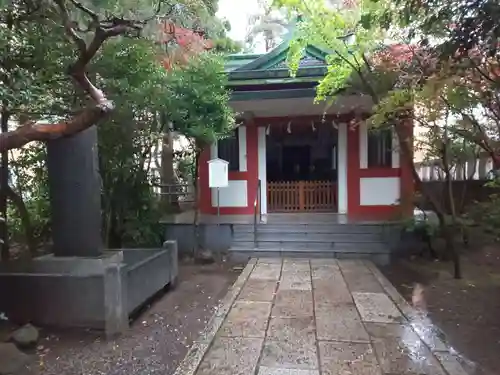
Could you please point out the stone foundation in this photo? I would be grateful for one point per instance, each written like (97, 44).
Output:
(98, 293)
(217, 238)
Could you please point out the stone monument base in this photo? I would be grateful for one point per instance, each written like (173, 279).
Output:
(98, 293)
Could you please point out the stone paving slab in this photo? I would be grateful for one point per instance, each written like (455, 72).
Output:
(450, 363)
(329, 293)
(259, 290)
(409, 357)
(326, 272)
(285, 371)
(247, 319)
(340, 323)
(289, 354)
(359, 278)
(293, 303)
(266, 271)
(376, 307)
(231, 356)
(295, 282)
(292, 329)
(317, 317)
(348, 358)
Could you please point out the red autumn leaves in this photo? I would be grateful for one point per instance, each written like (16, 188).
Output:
(186, 43)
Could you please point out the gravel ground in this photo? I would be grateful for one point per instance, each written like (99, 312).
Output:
(466, 310)
(158, 339)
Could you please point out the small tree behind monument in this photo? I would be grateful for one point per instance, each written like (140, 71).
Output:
(200, 110)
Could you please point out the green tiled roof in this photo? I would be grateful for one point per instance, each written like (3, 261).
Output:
(271, 67)
(236, 61)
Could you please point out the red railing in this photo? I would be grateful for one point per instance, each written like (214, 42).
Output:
(302, 196)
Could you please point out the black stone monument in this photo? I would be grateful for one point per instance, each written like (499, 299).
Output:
(75, 194)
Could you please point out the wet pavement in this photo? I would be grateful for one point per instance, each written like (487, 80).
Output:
(318, 317)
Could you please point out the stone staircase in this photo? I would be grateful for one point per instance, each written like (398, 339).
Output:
(326, 239)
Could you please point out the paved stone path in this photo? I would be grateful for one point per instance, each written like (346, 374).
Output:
(317, 317)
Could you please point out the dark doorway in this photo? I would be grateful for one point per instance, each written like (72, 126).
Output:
(301, 153)
(301, 166)
(296, 162)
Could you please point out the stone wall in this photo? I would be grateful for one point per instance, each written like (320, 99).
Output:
(465, 193)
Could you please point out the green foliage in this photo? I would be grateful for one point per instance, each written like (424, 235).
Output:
(444, 82)
(456, 25)
(33, 66)
(487, 215)
(30, 181)
(421, 227)
(348, 34)
(198, 105)
(394, 101)
(33, 55)
(226, 45)
(135, 80)
(186, 167)
(193, 97)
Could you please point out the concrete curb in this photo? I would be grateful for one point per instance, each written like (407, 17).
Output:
(450, 362)
(195, 355)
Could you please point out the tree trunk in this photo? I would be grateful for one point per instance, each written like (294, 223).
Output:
(4, 126)
(496, 160)
(449, 228)
(18, 202)
(4, 181)
(455, 256)
(496, 165)
(196, 218)
(450, 246)
(407, 157)
(167, 169)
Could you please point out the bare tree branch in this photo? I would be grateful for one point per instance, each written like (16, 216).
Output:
(32, 131)
(68, 26)
(83, 8)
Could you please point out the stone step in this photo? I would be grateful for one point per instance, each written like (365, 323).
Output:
(241, 254)
(310, 245)
(309, 228)
(309, 236)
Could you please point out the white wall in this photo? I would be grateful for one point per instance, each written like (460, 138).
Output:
(379, 191)
(234, 195)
